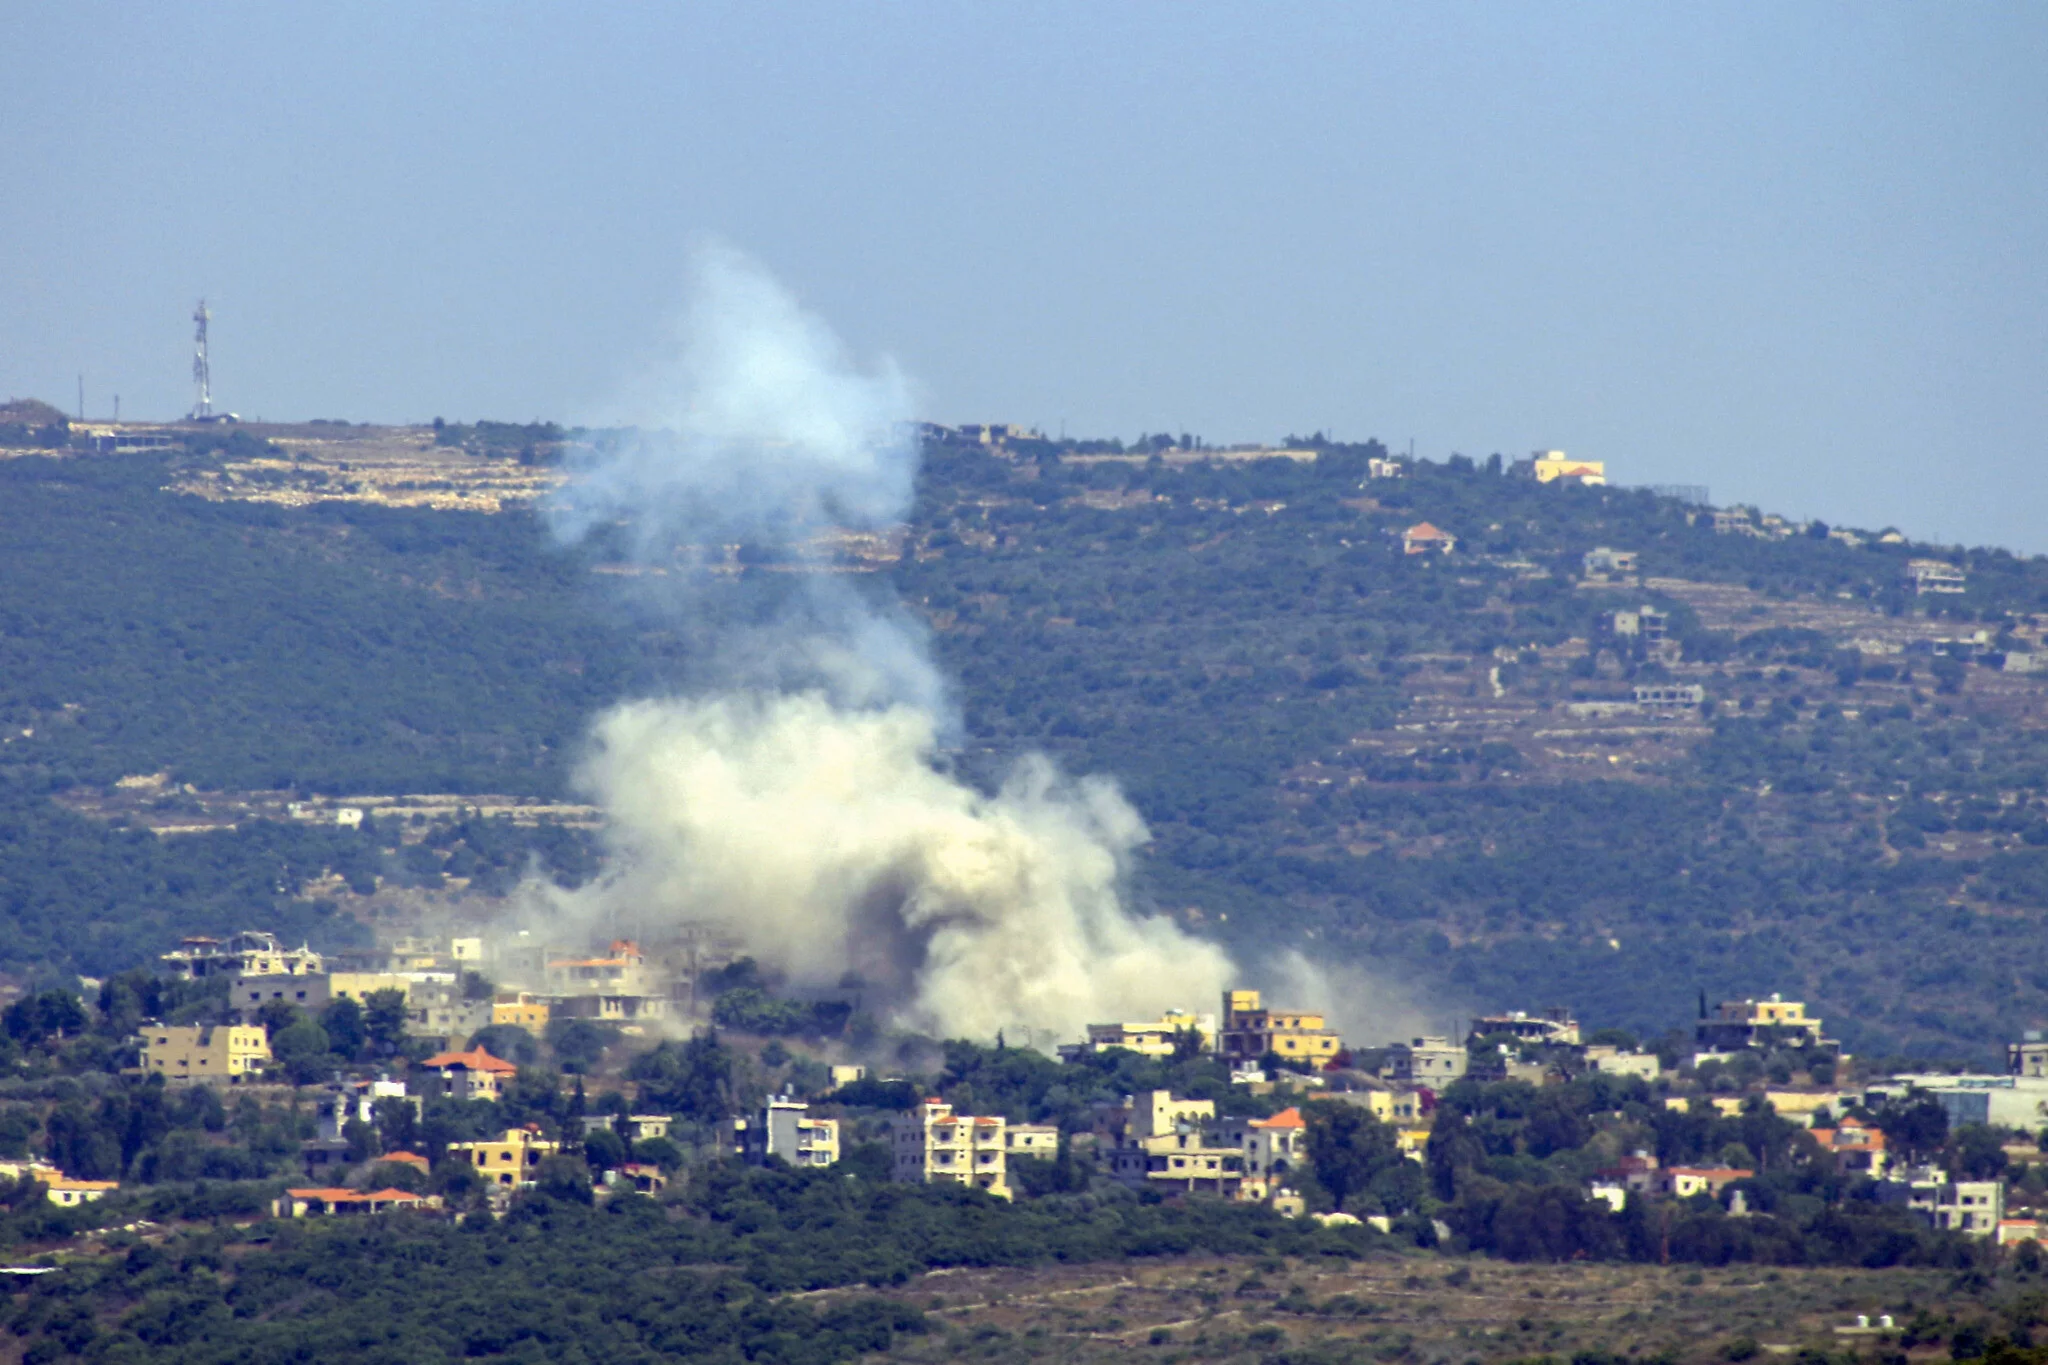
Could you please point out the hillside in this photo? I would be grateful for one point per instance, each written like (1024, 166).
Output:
(1402, 760)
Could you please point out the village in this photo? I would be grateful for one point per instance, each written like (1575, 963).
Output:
(1274, 1075)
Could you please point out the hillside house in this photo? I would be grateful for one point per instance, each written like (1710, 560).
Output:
(1271, 1147)
(1855, 1147)
(1668, 696)
(1935, 576)
(933, 1145)
(1423, 538)
(1601, 564)
(784, 1128)
(1041, 1140)
(1554, 1025)
(472, 1075)
(250, 953)
(63, 1190)
(1683, 1182)
(508, 1161)
(1554, 466)
(1250, 1031)
(219, 1054)
(331, 1201)
(1150, 1038)
(1972, 1207)
(1431, 1061)
(522, 1009)
(1738, 1024)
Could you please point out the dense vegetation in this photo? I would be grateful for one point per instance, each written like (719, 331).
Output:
(1202, 632)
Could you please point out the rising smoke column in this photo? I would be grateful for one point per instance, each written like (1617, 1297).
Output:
(798, 800)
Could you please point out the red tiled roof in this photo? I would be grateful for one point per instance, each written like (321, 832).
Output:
(1286, 1118)
(476, 1060)
(1422, 530)
(408, 1158)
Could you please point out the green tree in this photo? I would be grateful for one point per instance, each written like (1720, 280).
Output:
(384, 1019)
(1348, 1148)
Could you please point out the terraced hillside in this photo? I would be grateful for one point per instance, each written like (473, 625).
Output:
(1432, 764)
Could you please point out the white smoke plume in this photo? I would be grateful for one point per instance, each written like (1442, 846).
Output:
(800, 802)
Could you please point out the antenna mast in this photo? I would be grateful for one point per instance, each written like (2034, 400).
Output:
(202, 376)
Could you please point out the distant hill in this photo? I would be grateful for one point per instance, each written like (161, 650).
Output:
(1434, 762)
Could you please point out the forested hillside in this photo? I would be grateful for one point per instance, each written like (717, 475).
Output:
(1389, 756)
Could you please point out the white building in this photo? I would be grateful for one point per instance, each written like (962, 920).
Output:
(783, 1128)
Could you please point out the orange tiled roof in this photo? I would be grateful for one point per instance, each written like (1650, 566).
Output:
(408, 1158)
(1286, 1118)
(1423, 530)
(476, 1060)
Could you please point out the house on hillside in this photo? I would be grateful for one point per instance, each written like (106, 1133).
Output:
(1856, 1147)
(472, 1075)
(1423, 538)
(510, 1160)
(1935, 575)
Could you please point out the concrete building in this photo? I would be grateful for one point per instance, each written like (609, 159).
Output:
(784, 1128)
(1612, 1061)
(1431, 1061)
(249, 953)
(1041, 1140)
(472, 1075)
(1668, 696)
(621, 971)
(1683, 1182)
(1250, 1031)
(617, 1009)
(1150, 1038)
(439, 1012)
(2001, 1101)
(1935, 576)
(1972, 1207)
(1157, 1113)
(1554, 1025)
(1601, 564)
(1856, 1147)
(508, 1161)
(1422, 538)
(522, 1009)
(1271, 1147)
(935, 1146)
(332, 1201)
(69, 1193)
(1645, 623)
(2029, 1056)
(1377, 468)
(1554, 466)
(1737, 1024)
(220, 1054)
(1183, 1163)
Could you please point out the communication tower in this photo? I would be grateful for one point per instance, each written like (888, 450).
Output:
(202, 377)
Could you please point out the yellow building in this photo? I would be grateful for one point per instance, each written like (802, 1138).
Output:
(1153, 1038)
(507, 1161)
(934, 1146)
(1738, 1024)
(219, 1053)
(68, 1192)
(522, 1009)
(1549, 466)
(1250, 1031)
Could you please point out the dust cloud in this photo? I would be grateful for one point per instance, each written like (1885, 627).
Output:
(797, 799)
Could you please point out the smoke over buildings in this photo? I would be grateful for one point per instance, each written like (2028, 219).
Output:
(796, 797)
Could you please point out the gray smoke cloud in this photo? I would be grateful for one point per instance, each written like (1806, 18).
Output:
(800, 802)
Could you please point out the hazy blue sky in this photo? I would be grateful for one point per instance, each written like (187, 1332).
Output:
(1798, 253)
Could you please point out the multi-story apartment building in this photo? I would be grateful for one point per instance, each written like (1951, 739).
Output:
(511, 1160)
(1737, 1024)
(221, 1054)
(1250, 1031)
(784, 1128)
(936, 1146)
